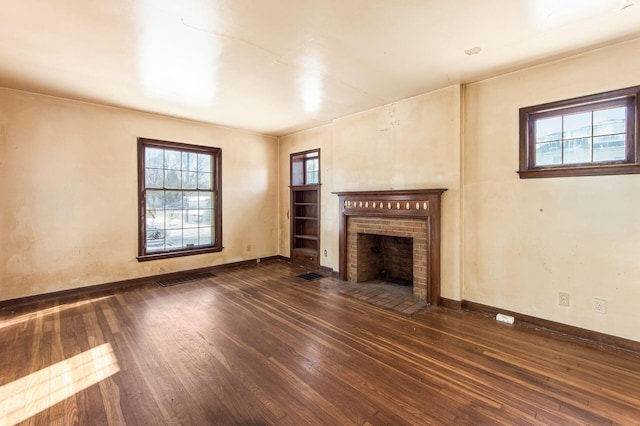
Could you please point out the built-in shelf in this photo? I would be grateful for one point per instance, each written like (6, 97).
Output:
(307, 237)
(304, 223)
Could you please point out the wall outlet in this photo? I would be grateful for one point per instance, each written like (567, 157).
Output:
(600, 306)
(507, 319)
(563, 299)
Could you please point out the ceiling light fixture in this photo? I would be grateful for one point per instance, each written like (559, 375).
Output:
(473, 51)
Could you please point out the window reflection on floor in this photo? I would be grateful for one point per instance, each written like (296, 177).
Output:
(26, 397)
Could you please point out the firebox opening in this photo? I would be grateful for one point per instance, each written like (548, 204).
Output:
(385, 258)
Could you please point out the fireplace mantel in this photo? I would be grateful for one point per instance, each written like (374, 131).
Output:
(401, 204)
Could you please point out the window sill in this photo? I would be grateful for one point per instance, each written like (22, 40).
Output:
(615, 169)
(181, 253)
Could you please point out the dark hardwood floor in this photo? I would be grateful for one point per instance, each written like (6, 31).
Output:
(256, 345)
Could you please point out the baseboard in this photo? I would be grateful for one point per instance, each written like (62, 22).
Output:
(451, 304)
(103, 288)
(577, 332)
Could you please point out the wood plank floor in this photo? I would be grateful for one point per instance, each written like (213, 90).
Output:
(259, 346)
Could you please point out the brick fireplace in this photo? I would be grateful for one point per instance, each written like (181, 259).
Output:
(366, 217)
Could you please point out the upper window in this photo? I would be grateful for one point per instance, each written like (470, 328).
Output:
(305, 168)
(591, 135)
(179, 198)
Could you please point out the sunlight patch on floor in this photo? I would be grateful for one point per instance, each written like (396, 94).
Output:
(26, 397)
(48, 311)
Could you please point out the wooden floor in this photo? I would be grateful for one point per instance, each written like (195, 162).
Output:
(259, 346)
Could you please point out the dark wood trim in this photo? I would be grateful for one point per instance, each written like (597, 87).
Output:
(351, 204)
(577, 332)
(300, 157)
(629, 97)
(621, 169)
(179, 253)
(326, 270)
(216, 189)
(451, 304)
(100, 288)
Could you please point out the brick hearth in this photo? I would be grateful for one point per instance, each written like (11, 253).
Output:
(417, 229)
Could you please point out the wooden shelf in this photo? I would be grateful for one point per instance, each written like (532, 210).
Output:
(305, 223)
(306, 251)
(307, 237)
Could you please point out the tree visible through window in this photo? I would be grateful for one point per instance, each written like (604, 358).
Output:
(180, 202)
(592, 135)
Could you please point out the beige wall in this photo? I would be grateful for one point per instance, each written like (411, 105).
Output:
(410, 144)
(68, 173)
(526, 240)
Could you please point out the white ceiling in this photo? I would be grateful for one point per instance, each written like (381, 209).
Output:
(278, 66)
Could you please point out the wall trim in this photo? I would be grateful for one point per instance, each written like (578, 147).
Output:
(591, 336)
(63, 295)
(451, 304)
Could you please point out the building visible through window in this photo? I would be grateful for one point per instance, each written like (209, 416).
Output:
(180, 202)
(592, 135)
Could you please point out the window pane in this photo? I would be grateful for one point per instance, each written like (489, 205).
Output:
(189, 161)
(174, 239)
(172, 160)
(155, 240)
(577, 125)
(190, 200)
(155, 200)
(312, 177)
(549, 154)
(172, 179)
(153, 178)
(191, 218)
(609, 148)
(173, 219)
(173, 199)
(609, 121)
(154, 158)
(189, 180)
(205, 235)
(204, 180)
(190, 237)
(155, 220)
(204, 163)
(549, 129)
(577, 151)
(205, 200)
(204, 217)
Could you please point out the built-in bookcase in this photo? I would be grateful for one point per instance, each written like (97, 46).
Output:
(305, 207)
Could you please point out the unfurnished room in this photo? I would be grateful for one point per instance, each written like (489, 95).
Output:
(279, 212)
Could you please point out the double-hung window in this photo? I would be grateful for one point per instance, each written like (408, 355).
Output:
(179, 197)
(586, 136)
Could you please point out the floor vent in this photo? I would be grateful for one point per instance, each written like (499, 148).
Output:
(185, 279)
(310, 276)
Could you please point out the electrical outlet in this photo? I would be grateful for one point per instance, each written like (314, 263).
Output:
(600, 306)
(563, 299)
